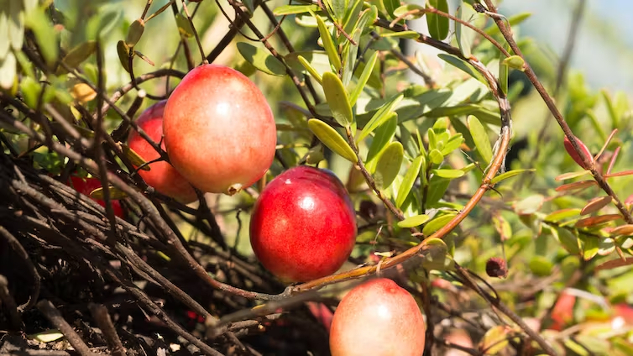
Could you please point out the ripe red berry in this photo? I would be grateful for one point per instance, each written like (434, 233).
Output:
(303, 225)
(86, 186)
(219, 131)
(162, 176)
(378, 318)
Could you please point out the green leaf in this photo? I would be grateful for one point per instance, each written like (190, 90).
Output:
(529, 205)
(413, 221)
(541, 266)
(437, 224)
(412, 11)
(45, 35)
(352, 17)
(350, 50)
(436, 255)
(563, 214)
(409, 180)
(464, 34)
(328, 43)
(261, 59)
(135, 32)
(184, 26)
(337, 99)
(504, 71)
(509, 174)
(410, 35)
(615, 118)
(437, 187)
(135, 158)
(294, 9)
(495, 340)
(568, 240)
(383, 136)
(379, 117)
(453, 143)
(330, 138)
(8, 71)
(388, 165)
(391, 6)
(77, 55)
(457, 62)
(480, 136)
(436, 156)
(590, 248)
(438, 25)
(317, 59)
(336, 8)
(304, 62)
(115, 193)
(515, 62)
(448, 173)
(362, 80)
(123, 53)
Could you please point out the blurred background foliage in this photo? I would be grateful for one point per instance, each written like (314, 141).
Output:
(513, 222)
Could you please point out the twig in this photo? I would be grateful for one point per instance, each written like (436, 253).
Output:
(9, 304)
(52, 314)
(19, 250)
(100, 314)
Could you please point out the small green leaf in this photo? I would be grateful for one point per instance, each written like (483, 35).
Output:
(410, 35)
(123, 53)
(458, 63)
(388, 165)
(362, 80)
(465, 35)
(413, 221)
(453, 143)
(77, 55)
(541, 266)
(438, 25)
(409, 11)
(261, 59)
(304, 62)
(115, 193)
(504, 71)
(409, 180)
(383, 136)
(184, 26)
(379, 117)
(436, 255)
(135, 32)
(328, 43)
(330, 138)
(509, 174)
(563, 214)
(437, 224)
(448, 173)
(8, 70)
(336, 97)
(105, 20)
(480, 136)
(45, 35)
(515, 62)
(294, 9)
(590, 248)
(436, 156)
(135, 158)
(495, 340)
(568, 240)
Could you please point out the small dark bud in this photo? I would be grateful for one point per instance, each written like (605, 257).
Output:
(497, 267)
(368, 209)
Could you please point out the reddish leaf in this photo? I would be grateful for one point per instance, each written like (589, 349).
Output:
(596, 204)
(615, 264)
(596, 220)
(563, 311)
(619, 174)
(570, 175)
(576, 185)
(577, 156)
(625, 230)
